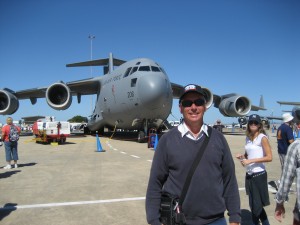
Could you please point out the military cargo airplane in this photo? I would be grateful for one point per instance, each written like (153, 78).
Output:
(295, 110)
(137, 95)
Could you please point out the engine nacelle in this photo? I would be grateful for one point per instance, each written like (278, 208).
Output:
(235, 106)
(209, 97)
(58, 96)
(9, 103)
(242, 120)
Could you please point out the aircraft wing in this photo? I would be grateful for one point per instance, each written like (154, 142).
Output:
(288, 103)
(232, 105)
(83, 87)
(177, 90)
(274, 117)
(30, 93)
(60, 90)
(58, 95)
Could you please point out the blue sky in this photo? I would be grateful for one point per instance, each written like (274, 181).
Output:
(247, 47)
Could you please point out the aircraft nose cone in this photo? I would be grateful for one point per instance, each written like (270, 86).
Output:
(154, 91)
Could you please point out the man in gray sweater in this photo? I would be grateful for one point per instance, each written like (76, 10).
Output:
(213, 188)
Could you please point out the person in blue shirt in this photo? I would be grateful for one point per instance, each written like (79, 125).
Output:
(284, 136)
(297, 131)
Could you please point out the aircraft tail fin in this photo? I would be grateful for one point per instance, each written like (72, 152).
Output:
(108, 63)
(261, 102)
(261, 105)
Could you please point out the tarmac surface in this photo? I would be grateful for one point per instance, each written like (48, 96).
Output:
(79, 183)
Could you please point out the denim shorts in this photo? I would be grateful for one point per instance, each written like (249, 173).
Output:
(11, 151)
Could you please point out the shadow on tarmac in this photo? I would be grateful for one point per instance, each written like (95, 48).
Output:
(22, 165)
(7, 209)
(27, 164)
(8, 174)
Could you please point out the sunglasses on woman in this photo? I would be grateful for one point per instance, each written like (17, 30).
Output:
(253, 123)
(189, 103)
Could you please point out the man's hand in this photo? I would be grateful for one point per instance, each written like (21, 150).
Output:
(279, 212)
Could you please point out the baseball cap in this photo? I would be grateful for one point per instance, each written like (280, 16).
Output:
(254, 117)
(192, 88)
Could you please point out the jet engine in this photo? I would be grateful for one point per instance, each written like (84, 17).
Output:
(9, 103)
(208, 97)
(242, 120)
(235, 106)
(58, 96)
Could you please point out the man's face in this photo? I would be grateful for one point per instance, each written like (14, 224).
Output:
(192, 114)
(9, 121)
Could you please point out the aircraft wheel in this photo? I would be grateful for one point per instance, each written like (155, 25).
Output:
(86, 130)
(141, 137)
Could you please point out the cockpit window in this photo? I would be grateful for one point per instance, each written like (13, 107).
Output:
(138, 63)
(155, 69)
(127, 72)
(134, 69)
(144, 68)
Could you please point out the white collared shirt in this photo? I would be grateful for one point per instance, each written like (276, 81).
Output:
(184, 130)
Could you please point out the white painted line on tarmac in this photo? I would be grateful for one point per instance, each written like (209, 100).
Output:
(135, 156)
(11, 207)
(14, 207)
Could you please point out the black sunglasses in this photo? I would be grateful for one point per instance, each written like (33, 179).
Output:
(189, 103)
(253, 122)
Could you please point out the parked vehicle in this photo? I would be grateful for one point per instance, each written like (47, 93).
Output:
(47, 132)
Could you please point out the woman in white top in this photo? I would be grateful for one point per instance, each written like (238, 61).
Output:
(257, 152)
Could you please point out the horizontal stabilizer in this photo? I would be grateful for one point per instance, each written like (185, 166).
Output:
(256, 108)
(97, 62)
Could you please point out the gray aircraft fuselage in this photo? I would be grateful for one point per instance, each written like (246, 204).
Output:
(126, 101)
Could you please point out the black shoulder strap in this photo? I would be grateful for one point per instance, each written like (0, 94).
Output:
(193, 167)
